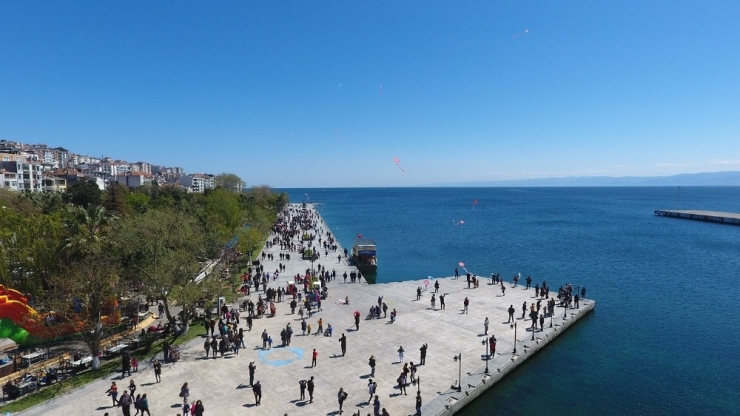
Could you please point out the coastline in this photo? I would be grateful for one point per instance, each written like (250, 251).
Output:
(447, 332)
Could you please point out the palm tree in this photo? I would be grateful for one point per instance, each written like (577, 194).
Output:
(85, 230)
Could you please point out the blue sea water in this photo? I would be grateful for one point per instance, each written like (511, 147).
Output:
(662, 339)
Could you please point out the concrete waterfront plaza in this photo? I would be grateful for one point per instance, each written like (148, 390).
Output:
(222, 383)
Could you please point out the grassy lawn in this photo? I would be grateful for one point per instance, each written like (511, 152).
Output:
(89, 376)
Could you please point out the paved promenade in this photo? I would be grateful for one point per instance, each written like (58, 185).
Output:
(221, 383)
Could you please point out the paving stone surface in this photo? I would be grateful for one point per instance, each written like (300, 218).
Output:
(222, 383)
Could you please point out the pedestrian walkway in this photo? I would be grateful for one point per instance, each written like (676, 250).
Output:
(222, 383)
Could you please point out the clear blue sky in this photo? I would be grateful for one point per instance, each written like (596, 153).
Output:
(288, 93)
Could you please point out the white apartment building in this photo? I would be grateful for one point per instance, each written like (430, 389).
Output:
(27, 175)
(197, 182)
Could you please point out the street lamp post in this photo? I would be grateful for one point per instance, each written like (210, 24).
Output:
(458, 358)
(418, 384)
(534, 326)
(488, 355)
(552, 312)
(565, 310)
(514, 326)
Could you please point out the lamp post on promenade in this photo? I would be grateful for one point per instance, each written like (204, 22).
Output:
(458, 358)
(514, 326)
(488, 355)
(418, 384)
(551, 314)
(534, 325)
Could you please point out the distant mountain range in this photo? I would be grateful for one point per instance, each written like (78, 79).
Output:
(731, 178)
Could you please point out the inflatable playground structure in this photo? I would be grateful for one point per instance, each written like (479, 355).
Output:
(26, 326)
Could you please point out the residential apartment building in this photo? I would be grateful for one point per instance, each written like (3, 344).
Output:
(28, 175)
(197, 182)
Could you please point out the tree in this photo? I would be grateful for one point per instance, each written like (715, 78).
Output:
(84, 295)
(164, 249)
(86, 230)
(84, 193)
(229, 181)
(116, 199)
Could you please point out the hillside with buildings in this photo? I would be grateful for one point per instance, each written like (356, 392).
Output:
(38, 167)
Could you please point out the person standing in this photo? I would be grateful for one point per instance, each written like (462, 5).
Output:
(418, 292)
(418, 403)
(485, 326)
(400, 354)
(423, 350)
(341, 397)
(457, 274)
(503, 288)
(529, 282)
(442, 301)
(524, 309)
(198, 409)
(343, 343)
(511, 314)
(264, 339)
(357, 321)
(371, 363)
(436, 286)
(466, 302)
(310, 386)
(257, 390)
(251, 368)
(214, 347)
(433, 300)
(321, 326)
(157, 371)
(314, 356)
(302, 386)
(186, 408)
(376, 406)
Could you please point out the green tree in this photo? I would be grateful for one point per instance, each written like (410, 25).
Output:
(230, 182)
(165, 250)
(85, 230)
(83, 294)
(84, 193)
(116, 200)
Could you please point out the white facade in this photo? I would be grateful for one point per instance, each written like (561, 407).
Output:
(197, 182)
(28, 175)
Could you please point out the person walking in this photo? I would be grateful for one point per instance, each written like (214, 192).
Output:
(264, 339)
(371, 363)
(376, 406)
(185, 392)
(214, 347)
(125, 403)
(144, 405)
(343, 344)
(434, 300)
(314, 356)
(251, 368)
(485, 326)
(400, 354)
(310, 387)
(158, 370)
(113, 393)
(418, 403)
(341, 397)
(257, 390)
(503, 288)
(371, 387)
(132, 387)
(402, 384)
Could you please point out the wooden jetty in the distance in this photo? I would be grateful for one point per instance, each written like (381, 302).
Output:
(700, 215)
